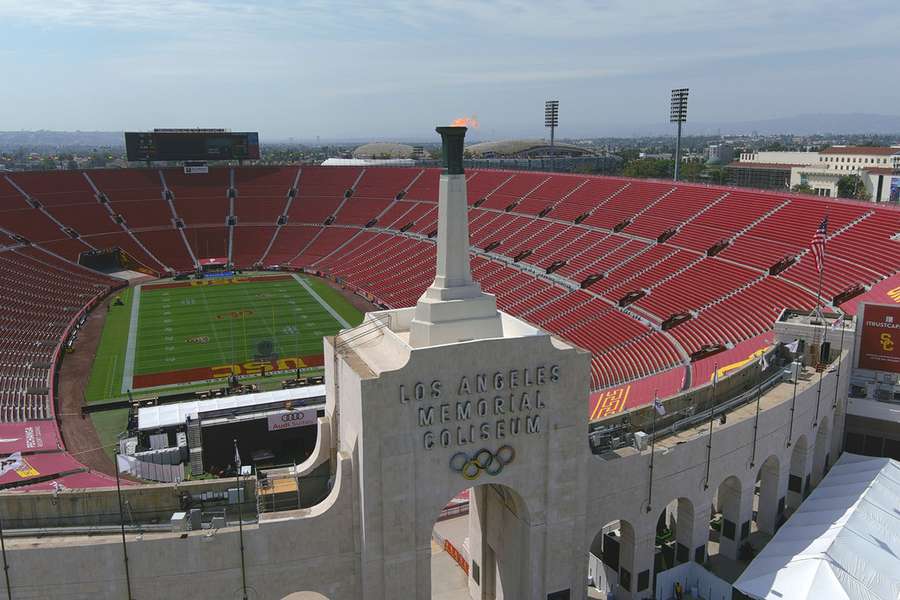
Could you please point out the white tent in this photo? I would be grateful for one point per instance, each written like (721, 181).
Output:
(170, 415)
(843, 541)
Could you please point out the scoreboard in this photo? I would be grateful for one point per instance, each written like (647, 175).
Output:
(191, 144)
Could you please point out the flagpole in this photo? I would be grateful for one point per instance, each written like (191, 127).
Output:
(818, 398)
(122, 526)
(819, 290)
(837, 378)
(712, 409)
(819, 239)
(652, 453)
(5, 564)
(762, 360)
(796, 374)
(240, 519)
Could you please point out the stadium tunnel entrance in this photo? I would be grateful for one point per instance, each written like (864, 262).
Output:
(479, 546)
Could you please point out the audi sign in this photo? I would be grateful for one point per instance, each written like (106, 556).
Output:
(292, 418)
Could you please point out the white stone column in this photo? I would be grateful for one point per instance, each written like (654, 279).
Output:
(636, 555)
(453, 308)
(692, 530)
(773, 487)
(801, 463)
(736, 504)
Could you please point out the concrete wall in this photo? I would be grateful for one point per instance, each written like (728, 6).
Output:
(370, 538)
(405, 466)
(619, 485)
(88, 507)
(305, 550)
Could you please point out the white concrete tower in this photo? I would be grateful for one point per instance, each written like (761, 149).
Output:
(453, 308)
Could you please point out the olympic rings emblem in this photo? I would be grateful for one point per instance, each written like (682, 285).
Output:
(491, 463)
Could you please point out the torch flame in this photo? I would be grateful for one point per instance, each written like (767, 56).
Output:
(466, 122)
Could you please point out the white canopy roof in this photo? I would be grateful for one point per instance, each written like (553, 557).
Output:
(843, 541)
(368, 162)
(168, 415)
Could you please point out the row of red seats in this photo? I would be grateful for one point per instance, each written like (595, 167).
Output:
(40, 295)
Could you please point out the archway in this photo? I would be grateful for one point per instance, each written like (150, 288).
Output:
(305, 596)
(822, 451)
(676, 535)
(479, 545)
(611, 559)
(798, 479)
(768, 500)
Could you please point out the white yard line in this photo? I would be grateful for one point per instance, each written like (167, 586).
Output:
(324, 304)
(128, 369)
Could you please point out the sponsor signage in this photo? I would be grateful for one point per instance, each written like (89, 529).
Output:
(290, 419)
(879, 344)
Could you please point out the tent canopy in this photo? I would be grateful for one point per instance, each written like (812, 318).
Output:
(843, 541)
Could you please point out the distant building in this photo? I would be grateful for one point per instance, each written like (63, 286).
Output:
(878, 167)
(368, 162)
(525, 149)
(718, 154)
(384, 150)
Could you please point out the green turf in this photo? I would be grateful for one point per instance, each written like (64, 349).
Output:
(106, 374)
(340, 304)
(109, 424)
(209, 325)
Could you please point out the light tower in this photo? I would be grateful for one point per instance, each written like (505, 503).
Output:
(551, 119)
(678, 115)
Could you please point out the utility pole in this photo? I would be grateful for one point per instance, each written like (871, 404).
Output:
(712, 412)
(240, 498)
(122, 526)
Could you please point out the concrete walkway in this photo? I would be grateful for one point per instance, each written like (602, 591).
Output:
(448, 582)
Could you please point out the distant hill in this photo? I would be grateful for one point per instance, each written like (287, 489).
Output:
(807, 124)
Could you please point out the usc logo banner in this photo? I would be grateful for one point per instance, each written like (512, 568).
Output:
(878, 348)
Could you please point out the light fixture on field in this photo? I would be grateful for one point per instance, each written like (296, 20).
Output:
(551, 118)
(678, 114)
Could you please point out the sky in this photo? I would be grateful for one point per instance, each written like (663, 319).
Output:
(359, 70)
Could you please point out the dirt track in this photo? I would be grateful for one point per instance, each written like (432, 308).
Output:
(78, 433)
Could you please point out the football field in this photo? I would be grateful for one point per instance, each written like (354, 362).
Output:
(182, 332)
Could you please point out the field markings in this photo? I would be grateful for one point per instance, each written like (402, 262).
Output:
(212, 327)
(131, 345)
(325, 305)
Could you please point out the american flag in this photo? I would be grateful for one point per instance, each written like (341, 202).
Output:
(818, 243)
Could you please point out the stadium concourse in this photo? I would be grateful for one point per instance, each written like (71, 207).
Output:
(662, 282)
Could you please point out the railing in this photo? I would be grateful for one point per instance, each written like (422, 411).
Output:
(346, 338)
(724, 407)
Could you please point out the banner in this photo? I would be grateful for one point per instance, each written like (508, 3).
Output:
(292, 418)
(879, 345)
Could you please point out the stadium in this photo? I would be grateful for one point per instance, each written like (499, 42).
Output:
(627, 291)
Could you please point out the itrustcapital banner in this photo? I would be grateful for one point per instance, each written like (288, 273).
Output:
(879, 346)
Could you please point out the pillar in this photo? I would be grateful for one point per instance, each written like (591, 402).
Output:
(636, 557)
(772, 491)
(692, 531)
(736, 502)
(801, 463)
